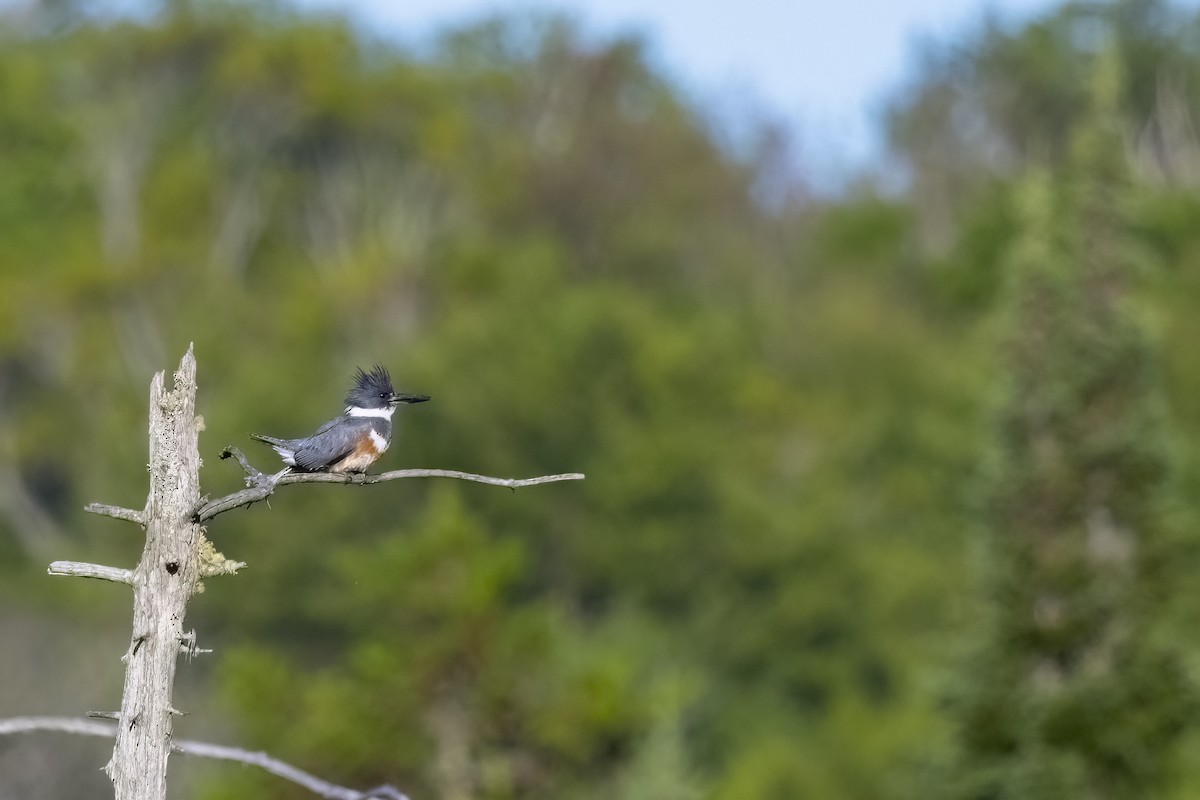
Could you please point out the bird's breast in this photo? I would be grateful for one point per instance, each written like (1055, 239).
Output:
(379, 441)
(365, 453)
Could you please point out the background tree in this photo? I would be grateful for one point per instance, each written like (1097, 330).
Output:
(1077, 692)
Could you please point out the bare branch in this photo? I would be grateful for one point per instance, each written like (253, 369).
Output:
(285, 771)
(253, 476)
(116, 512)
(81, 569)
(113, 715)
(62, 724)
(262, 486)
(188, 646)
(206, 750)
(510, 483)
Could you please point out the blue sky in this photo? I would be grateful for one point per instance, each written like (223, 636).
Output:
(822, 65)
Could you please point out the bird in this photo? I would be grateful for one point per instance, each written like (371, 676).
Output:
(354, 440)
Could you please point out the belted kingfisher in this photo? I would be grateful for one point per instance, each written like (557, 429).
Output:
(354, 440)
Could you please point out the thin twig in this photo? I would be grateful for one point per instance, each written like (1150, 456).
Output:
(206, 750)
(261, 486)
(116, 512)
(81, 569)
(253, 476)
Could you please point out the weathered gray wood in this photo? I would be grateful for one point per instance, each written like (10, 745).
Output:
(164, 580)
(116, 512)
(80, 569)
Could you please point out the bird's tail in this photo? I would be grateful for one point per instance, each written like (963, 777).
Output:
(271, 440)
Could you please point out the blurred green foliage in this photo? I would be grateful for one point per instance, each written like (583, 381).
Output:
(771, 583)
(1073, 689)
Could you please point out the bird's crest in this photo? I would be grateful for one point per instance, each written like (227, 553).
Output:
(371, 384)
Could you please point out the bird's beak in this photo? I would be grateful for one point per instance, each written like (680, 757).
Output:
(409, 398)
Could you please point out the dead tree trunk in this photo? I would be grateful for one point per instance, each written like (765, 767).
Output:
(163, 581)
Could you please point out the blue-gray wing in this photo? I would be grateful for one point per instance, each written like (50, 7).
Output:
(332, 442)
(330, 424)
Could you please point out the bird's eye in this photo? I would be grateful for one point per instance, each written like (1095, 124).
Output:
(383, 394)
